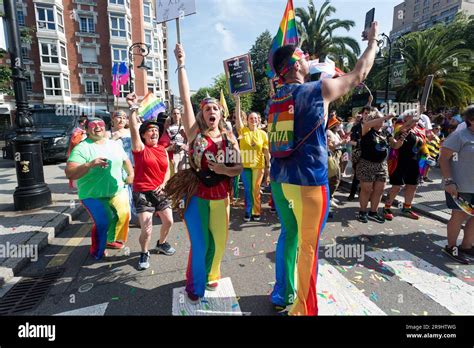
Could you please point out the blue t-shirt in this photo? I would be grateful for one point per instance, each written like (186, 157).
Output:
(307, 165)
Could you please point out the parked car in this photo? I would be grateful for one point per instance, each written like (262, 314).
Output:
(55, 130)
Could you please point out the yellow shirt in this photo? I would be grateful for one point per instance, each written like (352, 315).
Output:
(252, 144)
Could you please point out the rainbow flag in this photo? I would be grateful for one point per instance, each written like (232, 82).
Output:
(287, 35)
(151, 107)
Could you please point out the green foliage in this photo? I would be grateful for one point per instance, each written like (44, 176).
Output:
(5, 79)
(259, 55)
(316, 31)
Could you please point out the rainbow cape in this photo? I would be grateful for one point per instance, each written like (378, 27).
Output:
(151, 107)
(287, 35)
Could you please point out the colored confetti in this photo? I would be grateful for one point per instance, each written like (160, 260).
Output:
(374, 297)
(253, 260)
(395, 311)
(425, 313)
(115, 298)
(261, 251)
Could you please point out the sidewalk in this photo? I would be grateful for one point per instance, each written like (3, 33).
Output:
(24, 234)
(429, 200)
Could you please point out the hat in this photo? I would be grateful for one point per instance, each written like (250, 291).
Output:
(148, 125)
(333, 121)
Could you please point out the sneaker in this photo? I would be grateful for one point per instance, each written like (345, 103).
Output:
(144, 263)
(247, 218)
(115, 245)
(409, 214)
(165, 248)
(426, 179)
(362, 217)
(454, 254)
(468, 252)
(256, 217)
(334, 204)
(376, 217)
(192, 299)
(388, 214)
(212, 286)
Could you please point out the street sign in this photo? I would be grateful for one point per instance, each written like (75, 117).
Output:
(398, 75)
(167, 10)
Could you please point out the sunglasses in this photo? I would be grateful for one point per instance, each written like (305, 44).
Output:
(95, 124)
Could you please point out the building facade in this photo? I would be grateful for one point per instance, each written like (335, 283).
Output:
(415, 15)
(76, 42)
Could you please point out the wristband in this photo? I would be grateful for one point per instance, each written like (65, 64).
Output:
(182, 66)
(134, 107)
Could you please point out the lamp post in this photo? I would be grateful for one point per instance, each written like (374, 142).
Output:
(31, 192)
(137, 49)
(389, 63)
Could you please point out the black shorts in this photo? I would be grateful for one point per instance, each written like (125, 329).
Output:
(469, 197)
(406, 173)
(150, 202)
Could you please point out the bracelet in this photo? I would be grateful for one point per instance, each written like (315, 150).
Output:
(182, 66)
(134, 107)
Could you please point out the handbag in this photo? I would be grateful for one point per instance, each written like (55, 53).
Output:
(333, 166)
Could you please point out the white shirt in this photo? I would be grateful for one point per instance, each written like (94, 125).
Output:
(426, 122)
(461, 126)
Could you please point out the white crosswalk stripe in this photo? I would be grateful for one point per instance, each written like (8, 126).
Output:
(449, 291)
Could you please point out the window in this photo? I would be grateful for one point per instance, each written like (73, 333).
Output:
(436, 5)
(149, 63)
(29, 84)
(416, 14)
(426, 2)
(63, 53)
(151, 88)
(417, 7)
(425, 10)
(124, 90)
(92, 87)
(117, 2)
(89, 55)
(87, 25)
(148, 38)
(21, 17)
(147, 12)
(119, 54)
(45, 17)
(117, 24)
(60, 20)
(49, 52)
(67, 91)
(157, 65)
(156, 45)
(52, 84)
(25, 53)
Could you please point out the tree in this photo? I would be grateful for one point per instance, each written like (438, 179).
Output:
(435, 52)
(259, 55)
(316, 31)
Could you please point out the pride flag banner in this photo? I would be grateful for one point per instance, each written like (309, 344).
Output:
(151, 107)
(287, 35)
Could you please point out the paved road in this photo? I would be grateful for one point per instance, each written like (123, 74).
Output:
(375, 278)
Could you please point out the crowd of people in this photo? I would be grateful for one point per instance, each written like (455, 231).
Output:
(133, 173)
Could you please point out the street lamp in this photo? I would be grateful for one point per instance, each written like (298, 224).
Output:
(389, 61)
(31, 192)
(137, 49)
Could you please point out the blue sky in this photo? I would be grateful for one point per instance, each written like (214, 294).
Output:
(222, 29)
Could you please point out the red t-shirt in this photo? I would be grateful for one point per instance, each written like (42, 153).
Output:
(151, 165)
(221, 190)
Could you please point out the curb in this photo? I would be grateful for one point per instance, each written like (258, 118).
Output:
(12, 266)
(418, 208)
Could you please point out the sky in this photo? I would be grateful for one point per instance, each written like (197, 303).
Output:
(222, 29)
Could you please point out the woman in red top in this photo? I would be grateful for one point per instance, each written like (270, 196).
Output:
(214, 159)
(151, 175)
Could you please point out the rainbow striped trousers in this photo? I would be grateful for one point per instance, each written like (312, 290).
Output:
(111, 217)
(252, 179)
(303, 212)
(207, 222)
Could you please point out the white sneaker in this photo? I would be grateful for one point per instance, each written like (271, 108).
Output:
(144, 261)
(334, 204)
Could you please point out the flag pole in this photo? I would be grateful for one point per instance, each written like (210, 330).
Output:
(178, 30)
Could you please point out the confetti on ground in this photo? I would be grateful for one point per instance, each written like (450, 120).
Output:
(231, 242)
(414, 314)
(395, 311)
(115, 298)
(374, 297)
(253, 260)
(253, 245)
(261, 251)
(268, 235)
(152, 272)
(359, 272)
(425, 313)
(270, 266)
(133, 291)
